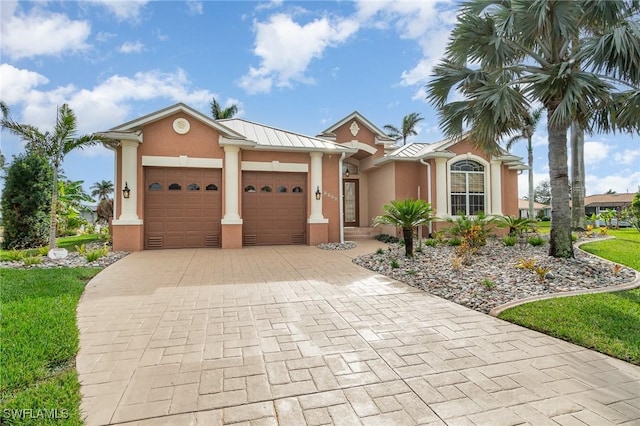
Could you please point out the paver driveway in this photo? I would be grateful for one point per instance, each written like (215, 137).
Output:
(297, 335)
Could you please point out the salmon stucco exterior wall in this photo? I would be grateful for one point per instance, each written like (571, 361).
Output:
(180, 141)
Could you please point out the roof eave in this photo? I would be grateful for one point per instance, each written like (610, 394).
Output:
(138, 123)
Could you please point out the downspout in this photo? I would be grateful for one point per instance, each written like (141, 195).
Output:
(340, 195)
(426, 163)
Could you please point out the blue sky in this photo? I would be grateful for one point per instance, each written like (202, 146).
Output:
(300, 66)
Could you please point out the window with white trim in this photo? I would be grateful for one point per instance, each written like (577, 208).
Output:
(467, 188)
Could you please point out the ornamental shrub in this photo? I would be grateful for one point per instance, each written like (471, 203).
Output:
(26, 202)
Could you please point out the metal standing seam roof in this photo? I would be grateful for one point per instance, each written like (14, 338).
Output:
(271, 137)
(415, 151)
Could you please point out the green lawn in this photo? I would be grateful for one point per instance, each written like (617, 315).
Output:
(39, 343)
(624, 249)
(68, 243)
(606, 322)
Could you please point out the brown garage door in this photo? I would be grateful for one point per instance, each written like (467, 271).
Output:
(182, 207)
(274, 208)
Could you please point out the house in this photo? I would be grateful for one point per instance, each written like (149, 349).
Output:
(523, 208)
(595, 204)
(193, 181)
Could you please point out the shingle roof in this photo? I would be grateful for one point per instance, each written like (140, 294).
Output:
(270, 137)
(524, 204)
(609, 200)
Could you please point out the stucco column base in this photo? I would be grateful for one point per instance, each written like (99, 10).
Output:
(318, 233)
(127, 237)
(232, 236)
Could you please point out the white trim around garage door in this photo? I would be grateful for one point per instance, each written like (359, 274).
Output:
(274, 166)
(182, 161)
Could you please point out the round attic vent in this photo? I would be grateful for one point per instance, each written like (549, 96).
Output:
(181, 126)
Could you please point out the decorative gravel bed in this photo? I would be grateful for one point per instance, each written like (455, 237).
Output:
(347, 245)
(492, 279)
(73, 260)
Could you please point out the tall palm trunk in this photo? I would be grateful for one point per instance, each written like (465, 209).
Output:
(578, 219)
(54, 209)
(560, 244)
(531, 188)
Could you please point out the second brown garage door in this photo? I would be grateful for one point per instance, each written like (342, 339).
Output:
(274, 208)
(182, 207)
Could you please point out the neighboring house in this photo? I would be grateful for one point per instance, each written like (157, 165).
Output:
(89, 212)
(594, 204)
(199, 182)
(523, 207)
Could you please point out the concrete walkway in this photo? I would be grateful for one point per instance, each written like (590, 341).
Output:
(295, 335)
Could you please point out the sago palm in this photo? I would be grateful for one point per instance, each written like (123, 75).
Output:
(408, 128)
(503, 55)
(54, 145)
(406, 214)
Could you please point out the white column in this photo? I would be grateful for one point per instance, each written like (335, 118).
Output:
(316, 183)
(496, 187)
(129, 176)
(231, 185)
(441, 185)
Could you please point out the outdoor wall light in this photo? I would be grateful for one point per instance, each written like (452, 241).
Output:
(126, 192)
(318, 193)
(346, 172)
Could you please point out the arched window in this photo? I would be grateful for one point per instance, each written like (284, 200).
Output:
(211, 187)
(297, 189)
(282, 188)
(175, 187)
(265, 188)
(193, 187)
(249, 188)
(155, 186)
(467, 188)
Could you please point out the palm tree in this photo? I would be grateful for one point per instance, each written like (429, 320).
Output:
(4, 109)
(521, 51)
(409, 123)
(219, 113)
(406, 214)
(578, 192)
(102, 189)
(527, 131)
(54, 145)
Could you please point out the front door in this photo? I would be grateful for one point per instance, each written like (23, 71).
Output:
(351, 201)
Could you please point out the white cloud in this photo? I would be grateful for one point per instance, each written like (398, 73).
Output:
(625, 181)
(128, 10)
(104, 36)
(131, 47)
(195, 7)
(160, 35)
(17, 82)
(540, 139)
(523, 181)
(595, 152)
(628, 157)
(286, 48)
(38, 32)
(103, 106)
(428, 23)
